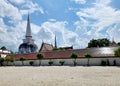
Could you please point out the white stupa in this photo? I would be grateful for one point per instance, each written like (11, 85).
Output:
(28, 45)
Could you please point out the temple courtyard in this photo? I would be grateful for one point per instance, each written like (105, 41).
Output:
(59, 76)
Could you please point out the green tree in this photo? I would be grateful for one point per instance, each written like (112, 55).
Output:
(50, 62)
(40, 56)
(87, 55)
(31, 62)
(117, 52)
(118, 43)
(22, 59)
(3, 48)
(12, 60)
(103, 62)
(74, 56)
(62, 62)
(8, 59)
(99, 43)
(1, 61)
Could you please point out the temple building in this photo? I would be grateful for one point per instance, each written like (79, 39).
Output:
(28, 45)
(46, 47)
(113, 43)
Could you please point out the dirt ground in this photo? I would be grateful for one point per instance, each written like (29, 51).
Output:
(60, 76)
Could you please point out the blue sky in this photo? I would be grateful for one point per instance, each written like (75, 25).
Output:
(74, 22)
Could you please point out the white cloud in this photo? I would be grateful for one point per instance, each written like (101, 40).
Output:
(114, 32)
(65, 37)
(93, 21)
(18, 1)
(97, 20)
(48, 30)
(32, 7)
(79, 1)
(10, 11)
(13, 11)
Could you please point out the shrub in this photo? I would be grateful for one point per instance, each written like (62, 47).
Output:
(22, 59)
(40, 56)
(103, 62)
(87, 55)
(74, 56)
(50, 62)
(31, 62)
(117, 52)
(62, 62)
(8, 59)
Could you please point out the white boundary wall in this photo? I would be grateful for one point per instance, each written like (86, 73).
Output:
(68, 62)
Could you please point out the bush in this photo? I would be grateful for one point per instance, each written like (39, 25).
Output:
(40, 56)
(88, 55)
(117, 52)
(31, 62)
(50, 62)
(62, 62)
(22, 59)
(103, 62)
(74, 56)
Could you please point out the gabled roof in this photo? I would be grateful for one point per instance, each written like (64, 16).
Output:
(46, 47)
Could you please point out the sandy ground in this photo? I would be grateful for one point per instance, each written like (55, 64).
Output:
(60, 76)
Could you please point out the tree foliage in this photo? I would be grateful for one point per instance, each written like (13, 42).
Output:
(9, 59)
(103, 62)
(22, 59)
(3, 48)
(117, 52)
(40, 56)
(31, 62)
(118, 43)
(74, 56)
(99, 43)
(50, 62)
(62, 62)
(87, 55)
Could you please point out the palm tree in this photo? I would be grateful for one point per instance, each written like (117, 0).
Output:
(74, 56)
(22, 59)
(87, 55)
(40, 56)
